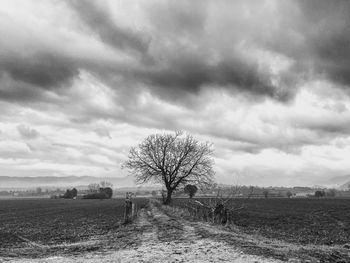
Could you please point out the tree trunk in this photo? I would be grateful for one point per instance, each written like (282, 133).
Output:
(167, 201)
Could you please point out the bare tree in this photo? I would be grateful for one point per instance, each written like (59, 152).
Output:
(251, 191)
(105, 184)
(173, 160)
(39, 190)
(93, 187)
(266, 193)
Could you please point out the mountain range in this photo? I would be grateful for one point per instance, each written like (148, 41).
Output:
(7, 182)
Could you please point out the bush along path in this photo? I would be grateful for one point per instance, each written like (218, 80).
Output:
(163, 235)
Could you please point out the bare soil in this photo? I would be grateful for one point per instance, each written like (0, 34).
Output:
(160, 234)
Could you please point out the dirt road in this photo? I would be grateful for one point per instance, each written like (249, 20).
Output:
(164, 238)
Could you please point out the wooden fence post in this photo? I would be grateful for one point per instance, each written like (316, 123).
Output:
(133, 212)
(128, 213)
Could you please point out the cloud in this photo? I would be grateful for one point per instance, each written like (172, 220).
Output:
(189, 73)
(103, 132)
(204, 48)
(27, 133)
(100, 21)
(314, 34)
(42, 70)
(266, 81)
(178, 49)
(180, 56)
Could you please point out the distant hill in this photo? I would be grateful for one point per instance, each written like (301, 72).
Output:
(344, 186)
(338, 182)
(7, 182)
(340, 179)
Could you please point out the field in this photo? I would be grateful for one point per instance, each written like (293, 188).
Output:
(46, 223)
(302, 221)
(266, 230)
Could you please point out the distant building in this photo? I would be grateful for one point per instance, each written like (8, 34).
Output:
(301, 194)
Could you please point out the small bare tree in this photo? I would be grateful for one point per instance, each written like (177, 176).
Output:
(266, 193)
(105, 184)
(173, 160)
(93, 187)
(251, 191)
(218, 211)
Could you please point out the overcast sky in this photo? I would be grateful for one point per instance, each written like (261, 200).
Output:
(266, 81)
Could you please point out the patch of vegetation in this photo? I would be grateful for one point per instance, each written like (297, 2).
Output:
(70, 194)
(102, 193)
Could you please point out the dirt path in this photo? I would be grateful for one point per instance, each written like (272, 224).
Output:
(165, 239)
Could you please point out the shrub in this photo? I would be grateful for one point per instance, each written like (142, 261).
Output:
(289, 194)
(70, 194)
(107, 191)
(191, 190)
(104, 193)
(320, 193)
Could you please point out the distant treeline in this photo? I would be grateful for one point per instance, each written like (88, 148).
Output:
(263, 192)
(272, 192)
(100, 193)
(103, 190)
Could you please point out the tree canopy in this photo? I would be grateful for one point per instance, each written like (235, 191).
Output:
(191, 190)
(174, 160)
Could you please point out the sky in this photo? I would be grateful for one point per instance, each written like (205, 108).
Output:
(267, 82)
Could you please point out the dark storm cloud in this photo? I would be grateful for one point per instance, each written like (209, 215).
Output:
(174, 69)
(316, 35)
(13, 91)
(106, 74)
(187, 73)
(45, 70)
(171, 71)
(188, 53)
(329, 37)
(100, 21)
(185, 57)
